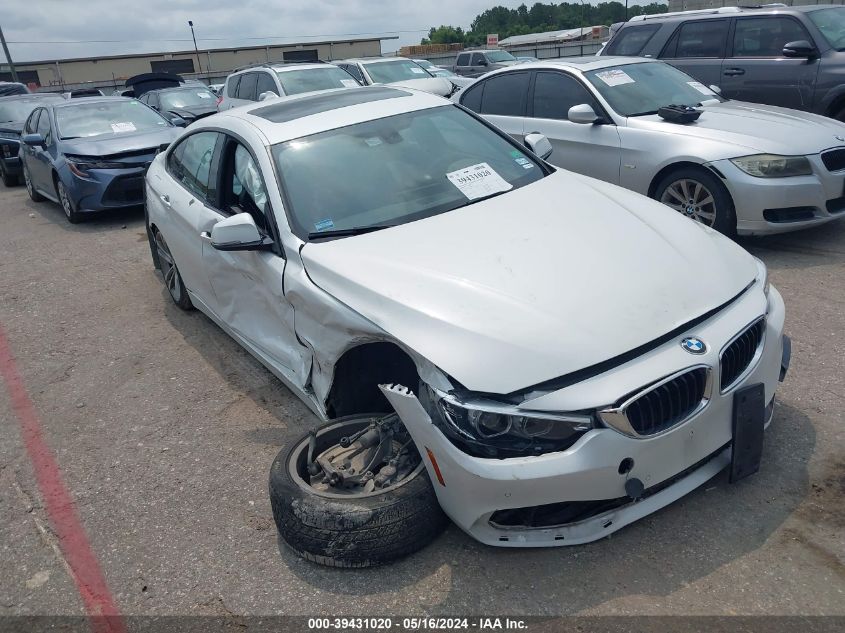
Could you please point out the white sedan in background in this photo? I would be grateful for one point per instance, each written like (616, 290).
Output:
(740, 167)
(552, 357)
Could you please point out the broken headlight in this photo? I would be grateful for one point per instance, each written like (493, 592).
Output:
(497, 430)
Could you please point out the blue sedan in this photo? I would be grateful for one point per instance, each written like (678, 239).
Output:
(13, 113)
(90, 155)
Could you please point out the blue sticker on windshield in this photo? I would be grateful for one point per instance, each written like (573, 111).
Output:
(526, 164)
(517, 154)
(324, 225)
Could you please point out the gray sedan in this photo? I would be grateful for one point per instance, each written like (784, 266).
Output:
(739, 168)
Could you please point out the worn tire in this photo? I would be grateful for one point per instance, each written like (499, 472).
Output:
(339, 531)
(8, 179)
(725, 221)
(30, 188)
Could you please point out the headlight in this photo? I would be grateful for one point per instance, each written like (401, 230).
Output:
(493, 430)
(773, 166)
(81, 166)
(763, 275)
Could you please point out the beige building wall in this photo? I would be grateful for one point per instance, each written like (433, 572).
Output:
(214, 62)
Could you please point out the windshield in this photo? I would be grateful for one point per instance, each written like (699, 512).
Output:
(399, 70)
(295, 82)
(396, 170)
(107, 117)
(639, 89)
(442, 72)
(831, 22)
(424, 63)
(500, 56)
(13, 111)
(189, 97)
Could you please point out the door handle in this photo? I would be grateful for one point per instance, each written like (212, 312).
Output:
(165, 199)
(731, 72)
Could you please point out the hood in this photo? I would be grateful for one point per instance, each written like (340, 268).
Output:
(195, 112)
(15, 127)
(435, 85)
(106, 144)
(534, 284)
(754, 128)
(507, 63)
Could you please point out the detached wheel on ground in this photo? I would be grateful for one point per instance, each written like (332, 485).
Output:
(354, 493)
(172, 278)
(73, 215)
(8, 179)
(30, 188)
(698, 194)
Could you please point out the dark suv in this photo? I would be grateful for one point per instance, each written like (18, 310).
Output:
(778, 55)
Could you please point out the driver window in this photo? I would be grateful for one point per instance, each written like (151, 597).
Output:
(243, 187)
(555, 93)
(477, 59)
(44, 128)
(32, 122)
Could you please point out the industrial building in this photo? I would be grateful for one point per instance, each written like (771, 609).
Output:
(598, 32)
(209, 64)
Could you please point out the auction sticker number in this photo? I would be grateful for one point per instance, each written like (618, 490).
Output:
(478, 181)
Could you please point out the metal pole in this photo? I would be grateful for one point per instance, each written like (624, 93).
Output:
(626, 10)
(199, 64)
(8, 56)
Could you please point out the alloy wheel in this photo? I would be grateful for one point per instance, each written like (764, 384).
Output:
(67, 206)
(168, 268)
(692, 199)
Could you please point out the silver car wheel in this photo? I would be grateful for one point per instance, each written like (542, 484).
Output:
(168, 269)
(691, 198)
(27, 181)
(67, 207)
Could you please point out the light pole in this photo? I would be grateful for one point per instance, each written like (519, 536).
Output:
(8, 57)
(199, 64)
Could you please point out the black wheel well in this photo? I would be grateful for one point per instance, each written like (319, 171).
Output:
(358, 373)
(652, 188)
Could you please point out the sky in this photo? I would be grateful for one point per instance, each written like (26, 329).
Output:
(47, 29)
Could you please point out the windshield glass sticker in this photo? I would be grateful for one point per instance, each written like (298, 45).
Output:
(478, 181)
(373, 141)
(324, 225)
(349, 83)
(615, 77)
(517, 154)
(697, 85)
(526, 164)
(418, 71)
(128, 126)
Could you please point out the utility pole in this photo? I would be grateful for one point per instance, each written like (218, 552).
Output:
(199, 64)
(8, 56)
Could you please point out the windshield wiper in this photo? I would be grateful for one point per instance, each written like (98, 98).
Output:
(355, 230)
(644, 113)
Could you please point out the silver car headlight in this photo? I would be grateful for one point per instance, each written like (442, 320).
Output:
(496, 430)
(774, 166)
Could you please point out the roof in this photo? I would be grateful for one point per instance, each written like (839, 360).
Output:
(679, 16)
(370, 60)
(33, 96)
(289, 118)
(583, 64)
(549, 36)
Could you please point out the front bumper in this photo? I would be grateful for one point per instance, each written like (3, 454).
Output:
(106, 189)
(670, 464)
(777, 205)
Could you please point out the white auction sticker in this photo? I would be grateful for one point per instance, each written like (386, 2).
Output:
(478, 181)
(203, 95)
(615, 77)
(123, 127)
(697, 85)
(418, 71)
(349, 83)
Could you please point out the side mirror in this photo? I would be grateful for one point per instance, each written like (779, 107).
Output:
(583, 113)
(33, 140)
(715, 89)
(799, 48)
(538, 144)
(267, 95)
(237, 233)
(178, 121)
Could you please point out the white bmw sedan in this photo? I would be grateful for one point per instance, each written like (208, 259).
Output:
(739, 167)
(542, 355)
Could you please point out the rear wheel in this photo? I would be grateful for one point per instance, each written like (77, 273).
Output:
(354, 493)
(699, 196)
(73, 215)
(30, 188)
(8, 179)
(172, 278)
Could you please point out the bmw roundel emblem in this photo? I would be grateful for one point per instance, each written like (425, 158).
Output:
(694, 345)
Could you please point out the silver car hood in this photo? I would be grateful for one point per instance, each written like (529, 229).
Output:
(440, 86)
(534, 284)
(744, 128)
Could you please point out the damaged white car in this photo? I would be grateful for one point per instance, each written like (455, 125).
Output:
(544, 356)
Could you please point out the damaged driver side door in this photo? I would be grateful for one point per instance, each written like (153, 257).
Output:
(247, 285)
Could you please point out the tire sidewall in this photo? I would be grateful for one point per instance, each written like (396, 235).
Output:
(66, 203)
(725, 213)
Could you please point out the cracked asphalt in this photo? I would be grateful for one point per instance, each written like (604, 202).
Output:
(164, 430)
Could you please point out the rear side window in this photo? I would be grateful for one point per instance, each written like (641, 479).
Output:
(246, 89)
(477, 58)
(232, 86)
(44, 128)
(463, 60)
(505, 94)
(632, 40)
(766, 36)
(471, 97)
(190, 164)
(698, 39)
(32, 122)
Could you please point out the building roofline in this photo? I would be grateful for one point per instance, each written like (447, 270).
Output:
(202, 51)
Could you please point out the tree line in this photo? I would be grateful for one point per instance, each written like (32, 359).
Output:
(539, 18)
